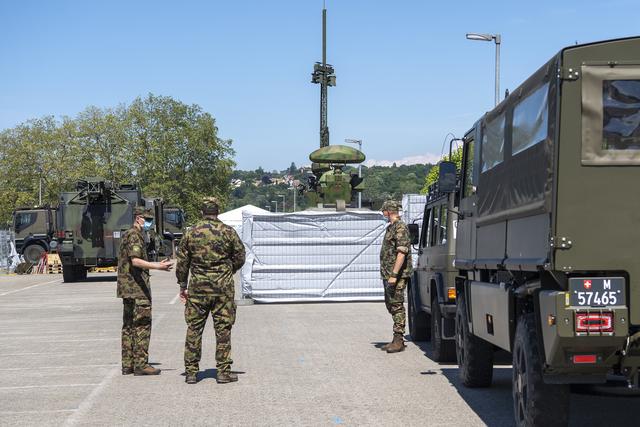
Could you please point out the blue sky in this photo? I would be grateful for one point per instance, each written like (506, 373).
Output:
(406, 74)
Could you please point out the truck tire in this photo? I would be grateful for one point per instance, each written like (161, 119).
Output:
(475, 355)
(418, 320)
(443, 350)
(534, 402)
(68, 273)
(81, 273)
(33, 253)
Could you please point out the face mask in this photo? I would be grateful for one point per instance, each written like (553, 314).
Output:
(147, 225)
(386, 219)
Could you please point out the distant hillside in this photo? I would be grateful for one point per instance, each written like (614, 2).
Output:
(261, 188)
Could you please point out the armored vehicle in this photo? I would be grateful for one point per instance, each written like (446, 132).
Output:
(431, 293)
(331, 184)
(174, 222)
(91, 221)
(34, 229)
(547, 231)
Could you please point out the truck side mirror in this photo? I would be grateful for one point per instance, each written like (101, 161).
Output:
(447, 177)
(414, 233)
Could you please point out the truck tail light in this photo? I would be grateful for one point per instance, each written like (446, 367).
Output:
(60, 234)
(584, 358)
(451, 293)
(594, 322)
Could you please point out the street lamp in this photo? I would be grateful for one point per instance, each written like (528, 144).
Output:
(276, 202)
(359, 142)
(283, 205)
(497, 40)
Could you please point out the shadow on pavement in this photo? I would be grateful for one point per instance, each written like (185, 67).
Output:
(494, 405)
(99, 279)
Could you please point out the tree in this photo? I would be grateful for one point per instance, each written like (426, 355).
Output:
(432, 176)
(172, 150)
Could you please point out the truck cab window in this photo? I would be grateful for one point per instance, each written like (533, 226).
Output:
(433, 226)
(443, 224)
(469, 188)
(424, 237)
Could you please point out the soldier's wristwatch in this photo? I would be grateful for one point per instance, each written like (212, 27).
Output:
(393, 275)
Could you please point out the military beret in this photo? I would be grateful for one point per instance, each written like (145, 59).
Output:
(391, 206)
(142, 211)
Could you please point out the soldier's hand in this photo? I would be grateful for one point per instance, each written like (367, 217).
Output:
(184, 294)
(165, 265)
(392, 280)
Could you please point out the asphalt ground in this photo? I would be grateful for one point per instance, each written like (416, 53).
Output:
(299, 364)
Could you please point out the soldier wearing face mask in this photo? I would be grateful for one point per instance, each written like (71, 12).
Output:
(135, 291)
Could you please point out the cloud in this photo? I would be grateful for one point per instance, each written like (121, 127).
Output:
(410, 160)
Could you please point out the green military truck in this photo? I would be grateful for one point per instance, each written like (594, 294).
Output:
(431, 293)
(34, 230)
(91, 221)
(547, 231)
(174, 223)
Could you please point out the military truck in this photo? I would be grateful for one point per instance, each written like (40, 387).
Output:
(431, 292)
(547, 231)
(34, 229)
(91, 221)
(174, 223)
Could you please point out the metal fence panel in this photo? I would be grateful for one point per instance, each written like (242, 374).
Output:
(313, 256)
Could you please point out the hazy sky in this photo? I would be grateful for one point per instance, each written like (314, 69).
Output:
(406, 74)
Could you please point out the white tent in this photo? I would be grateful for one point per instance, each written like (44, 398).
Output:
(233, 218)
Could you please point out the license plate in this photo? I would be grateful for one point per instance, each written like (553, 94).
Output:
(596, 291)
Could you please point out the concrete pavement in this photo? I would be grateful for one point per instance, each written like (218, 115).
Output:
(299, 364)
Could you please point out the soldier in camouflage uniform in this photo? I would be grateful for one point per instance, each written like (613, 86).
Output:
(135, 291)
(213, 252)
(395, 269)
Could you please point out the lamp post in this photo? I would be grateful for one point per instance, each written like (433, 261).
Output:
(359, 142)
(283, 205)
(497, 40)
(276, 202)
(295, 190)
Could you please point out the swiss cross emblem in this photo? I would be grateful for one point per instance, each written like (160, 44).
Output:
(586, 284)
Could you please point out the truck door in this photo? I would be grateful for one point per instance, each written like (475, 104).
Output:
(466, 234)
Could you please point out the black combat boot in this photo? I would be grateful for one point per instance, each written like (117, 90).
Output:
(147, 370)
(127, 371)
(191, 379)
(226, 377)
(397, 345)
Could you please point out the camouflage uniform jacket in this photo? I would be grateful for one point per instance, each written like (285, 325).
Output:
(133, 282)
(396, 239)
(213, 252)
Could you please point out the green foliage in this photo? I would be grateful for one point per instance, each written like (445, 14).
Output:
(168, 148)
(381, 183)
(432, 176)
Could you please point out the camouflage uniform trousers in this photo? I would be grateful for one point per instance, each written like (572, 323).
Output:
(223, 312)
(136, 333)
(394, 300)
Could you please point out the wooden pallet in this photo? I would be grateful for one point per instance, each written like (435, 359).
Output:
(54, 269)
(104, 269)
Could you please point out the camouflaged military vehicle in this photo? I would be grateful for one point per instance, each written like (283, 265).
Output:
(548, 231)
(91, 221)
(330, 185)
(174, 223)
(34, 228)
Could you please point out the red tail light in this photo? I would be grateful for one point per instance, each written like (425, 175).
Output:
(584, 358)
(60, 234)
(594, 322)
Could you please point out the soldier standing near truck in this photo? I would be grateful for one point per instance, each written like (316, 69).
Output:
(395, 269)
(135, 291)
(213, 252)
